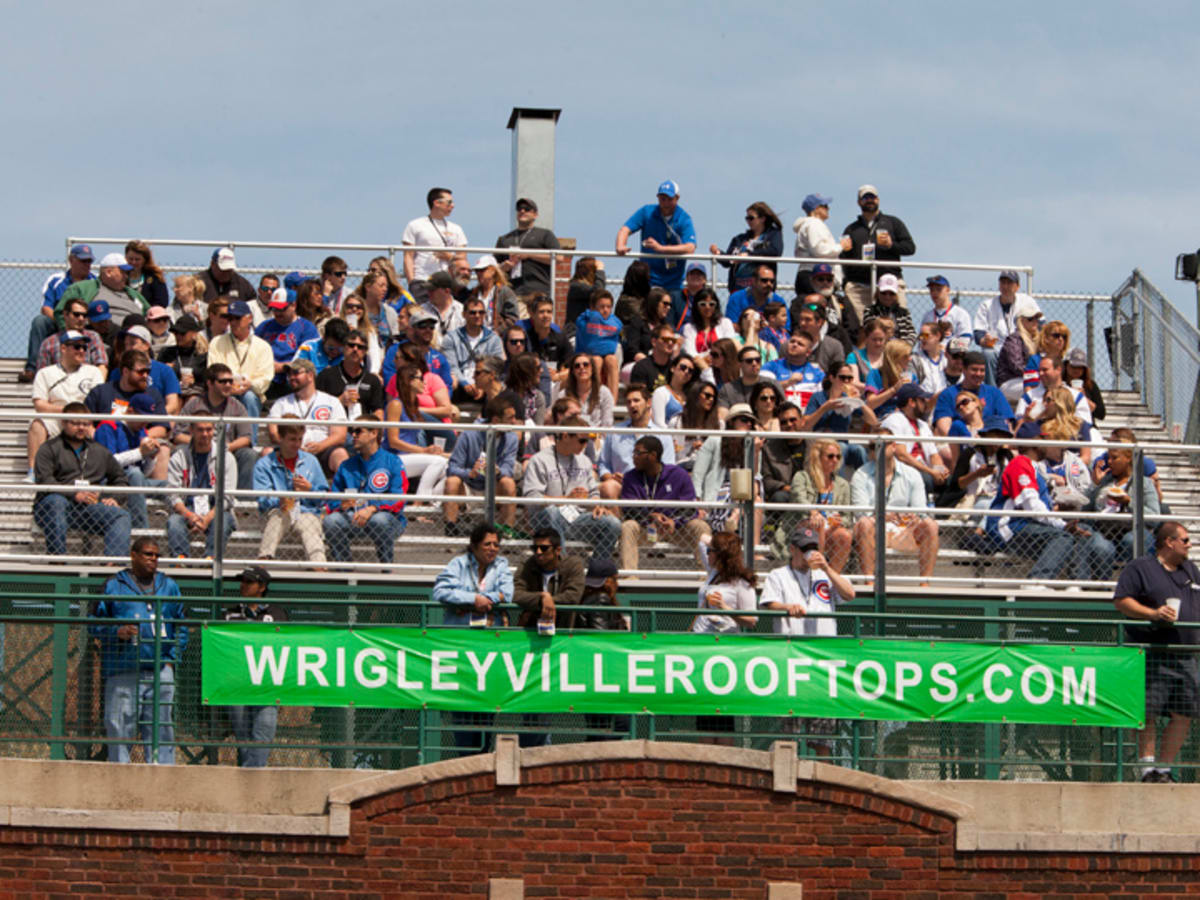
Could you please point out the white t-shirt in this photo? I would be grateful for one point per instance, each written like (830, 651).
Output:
(959, 319)
(427, 231)
(1033, 403)
(738, 596)
(317, 412)
(55, 385)
(812, 589)
(900, 425)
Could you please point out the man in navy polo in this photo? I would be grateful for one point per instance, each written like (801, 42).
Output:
(974, 373)
(285, 332)
(666, 229)
(79, 268)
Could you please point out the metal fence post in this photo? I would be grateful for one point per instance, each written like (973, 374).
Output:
(157, 680)
(880, 523)
(747, 525)
(554, 281)
(489, 474)
(1139, 498)
(1091, 335)
(218, 523)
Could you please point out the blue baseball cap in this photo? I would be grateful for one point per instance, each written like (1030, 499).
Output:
(669, 188)
(822, 269)
(98, 311)
(239, 308)
(82, 251)
(937, 279)
(293, 280)
(812, 201)
(1030, 431)
(994, 424)
(696, 266)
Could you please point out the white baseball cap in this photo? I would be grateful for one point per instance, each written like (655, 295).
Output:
(115, 259)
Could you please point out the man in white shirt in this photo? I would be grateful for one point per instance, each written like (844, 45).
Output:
(996, 319)
(68, 381)
(946, 310)
(324, 438)
(432, 230)
(910, 419)
(1050, 375)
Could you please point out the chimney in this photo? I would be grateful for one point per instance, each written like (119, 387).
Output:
(533, 161)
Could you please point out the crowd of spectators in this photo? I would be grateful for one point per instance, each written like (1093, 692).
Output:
(378, 375)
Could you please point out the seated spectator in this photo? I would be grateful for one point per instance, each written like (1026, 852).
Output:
(189, 298)
(447, 311)
(700, 412)
(1054, 339)
(765, 400)
(995, 320)
(1078, 376)
(112, 287)
(75, 315)
(583, 385)
(884, 384)
(56, 385)
(502, 305)
(143, 457)
(286, 333)
(328, 350)
(705, 325)
(773, 329)
(929, 359)
(248, 357)
(794, 373)
(763, 237)
(469, 462)
(635, 288)
(887, 305)
(747, 327)
(909, 530)
(218, 400)
(100, 321)
(616, 450)
(1061, 421)
(782, 457)
(158, 322)
(546, 341)
(216, 322)
(254, 726)
(975, 480)
(424, 458)
(956, 352)
(839, 408)
(464, 346)
(289, 468)
(188, 356)
(909, 419)
(474, 583)
(1067, 475)
(1099, 463)
(598, 334)
(332, 279)
(650, 479)
(717, 457)
(194, 465)
(750, 361)
(826, 280)
(323, 415)
(666, 403)
(810, 319)
(587, 277)
(372, 470)
(810, 584)
(756, 296)
(310, 304)
(818, 484)
(1022, 487)
(422, 325)
(376, 294)
(524, 380)
(868, 356)
(722, 363)
(654, 370)
(434, 398)
(562, 409)
(354, 313)
(1018, 348)
(970, 421)
(359, 390)
(44, 324)
(1032, 406)
(1111, 540)
(162, 377)
(546, 581)
(640, 326)
(564, 472)
(221, 278)
(397, 297)
(974, 373)
(945, 311)
(489, 380)
(73, 458)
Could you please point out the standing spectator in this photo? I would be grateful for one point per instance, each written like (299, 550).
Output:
(814, 240)
(289, 468)
(248, 357)
(194, 465)
(598, 334)
(738, 391)
(218, 400)
(946, 312)
(68, 381)
(546, 581)
(763, 237)
(128, 653)
(650, 479)
(528, 270)
(588, 277)
(666, 230)
(995, 319)
(254, 726)
(112, 287)
(756, 296)
(819, 484)
(221, 279)
(873, 236)
(432, 230)
(1160, 589)
(909, 530)
(583, 385)
(616, 450)
(808, 584)
(75, 315)
(501, 304)
(145, 275)
(474, 583)
(705, 326)
(73, 458)
(564, 472)
(323, 415)
(79, 268)
(285, 332)
(360, 391)
(372, 470)
(470, 461)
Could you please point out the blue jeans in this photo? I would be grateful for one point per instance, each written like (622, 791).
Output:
(39, 329)
(253, 725)
(991, 358)
(382, 528)
(1053, 547)
(136, 503)
(55, 513)
(179, 535)
(601, 533)
(129, 712)
(254, 410)
(1096, 556)
(246, 458)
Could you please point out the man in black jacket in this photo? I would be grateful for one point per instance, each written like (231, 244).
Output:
(873, 235)
(254, 725)
(548, 580)
(73, 458)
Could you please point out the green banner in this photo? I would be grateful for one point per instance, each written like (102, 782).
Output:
(671, 674)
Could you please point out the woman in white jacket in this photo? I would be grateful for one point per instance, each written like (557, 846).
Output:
(814, 239)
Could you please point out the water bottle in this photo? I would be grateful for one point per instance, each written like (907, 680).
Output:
(651, 532)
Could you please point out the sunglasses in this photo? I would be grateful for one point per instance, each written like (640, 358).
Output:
(767, 398)
(686, 370)
(708, 395)
(145, 371)
(358, 431)
(425, 326)
(582, 365)
(518, 342)
(765, 280)
(1056, 334)
(355, 307)
(475, 312)
(341, 273)
(76, 312)
(847, 379)
(224, 381)
(542, 548)
(356, 346)
(752, 359)
(831, 456)
(76, 345)
(961, 403)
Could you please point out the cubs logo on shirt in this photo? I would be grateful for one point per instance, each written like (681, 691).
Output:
(322, 413)
(380, 480)
(821, 589)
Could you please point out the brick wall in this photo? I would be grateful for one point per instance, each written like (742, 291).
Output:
(634, 828)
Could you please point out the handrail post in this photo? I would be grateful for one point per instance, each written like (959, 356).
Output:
(553, 281)
(1139, 499)
(747, 528)
(489, 474)
(1091, 334)
(158, 626)
(880, 522)
(218, 523)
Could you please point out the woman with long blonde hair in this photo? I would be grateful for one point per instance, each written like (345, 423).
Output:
(819, 484)
(892, 374)
(1060, 422)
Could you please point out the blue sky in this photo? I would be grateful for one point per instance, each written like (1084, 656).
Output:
(1059, 135)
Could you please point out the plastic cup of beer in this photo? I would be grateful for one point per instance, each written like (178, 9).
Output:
(1174, 603)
